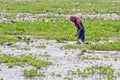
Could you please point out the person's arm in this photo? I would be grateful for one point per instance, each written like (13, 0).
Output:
(76, 34)
(78, 30)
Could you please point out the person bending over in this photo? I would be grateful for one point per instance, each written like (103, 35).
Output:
(80, 33)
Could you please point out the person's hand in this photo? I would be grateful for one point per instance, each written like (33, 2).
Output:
(76, 34)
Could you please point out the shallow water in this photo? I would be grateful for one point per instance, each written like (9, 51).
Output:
(63, 60)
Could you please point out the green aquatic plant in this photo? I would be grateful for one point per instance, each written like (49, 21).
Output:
(6, 38)
(109, 46)
(105, 70)
(23, 59)
(30, 73)
(73, 7)
(62, 30)
(55, 74)
(33, 72)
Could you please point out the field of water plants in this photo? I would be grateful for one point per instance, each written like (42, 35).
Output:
(37, 40)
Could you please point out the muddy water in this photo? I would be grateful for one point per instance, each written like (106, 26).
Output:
(63, 60)
(36, 17)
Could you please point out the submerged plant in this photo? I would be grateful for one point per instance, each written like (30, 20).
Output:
(30, 73)
(102, 70)
(55, 74)
(23, 59)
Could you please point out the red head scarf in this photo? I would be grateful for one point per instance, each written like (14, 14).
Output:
(73, 18)
(76, 20)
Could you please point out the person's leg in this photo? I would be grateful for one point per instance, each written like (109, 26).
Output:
(79, 41)
(81, 38)
(82, 33)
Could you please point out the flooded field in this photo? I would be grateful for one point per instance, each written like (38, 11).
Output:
(37, 40)
(65, 62)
